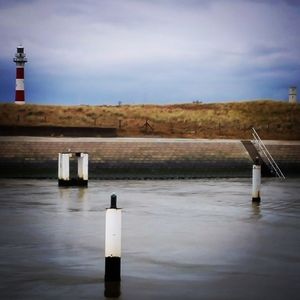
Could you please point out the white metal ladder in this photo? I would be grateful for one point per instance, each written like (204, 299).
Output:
(266, 153)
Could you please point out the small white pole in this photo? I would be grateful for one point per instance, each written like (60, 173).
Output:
(113, 241)
(59, 166)
(83, 161)
(256, 181)
(63, 168)
(66, 166)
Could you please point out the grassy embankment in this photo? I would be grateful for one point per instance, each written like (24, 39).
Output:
(272, 119)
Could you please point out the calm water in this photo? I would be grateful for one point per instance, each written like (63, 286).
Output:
(200, 239)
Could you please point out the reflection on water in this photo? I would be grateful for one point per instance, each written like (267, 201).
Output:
(82, 194)
(256, 210)
(67, 193)
(198, 239)
(74, 199)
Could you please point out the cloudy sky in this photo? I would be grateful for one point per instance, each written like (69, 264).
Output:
(150, 51)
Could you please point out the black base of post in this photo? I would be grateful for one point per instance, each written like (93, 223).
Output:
(73, 182)
(112, 289)
(112, 269)
(256, 200)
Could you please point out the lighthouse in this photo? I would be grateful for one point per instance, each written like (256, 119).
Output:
(293, 94)
(20, 60)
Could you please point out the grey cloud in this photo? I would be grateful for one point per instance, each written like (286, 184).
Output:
(293, 2)
(264, 50)
(12, 3)
(278, 69)
(175, 47)
(276, 2)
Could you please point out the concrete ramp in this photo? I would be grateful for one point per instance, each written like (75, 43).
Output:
(253, 153)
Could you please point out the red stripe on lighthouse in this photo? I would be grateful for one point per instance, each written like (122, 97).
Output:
(20, 73)
(20, 96)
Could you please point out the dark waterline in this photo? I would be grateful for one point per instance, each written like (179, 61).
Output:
(198, 239)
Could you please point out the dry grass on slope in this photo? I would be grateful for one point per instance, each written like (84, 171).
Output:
(274, 120)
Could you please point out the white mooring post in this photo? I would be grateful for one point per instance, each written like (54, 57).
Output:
(63, 167)
(59, 166)
(256, 181)
(113, 242)
(83, 161)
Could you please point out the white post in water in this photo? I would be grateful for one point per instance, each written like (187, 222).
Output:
(82, 160)
(63, 167)
(256, 181)
(59, 166)
(113, 242)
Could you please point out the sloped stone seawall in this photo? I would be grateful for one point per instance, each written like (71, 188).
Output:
(138, 158)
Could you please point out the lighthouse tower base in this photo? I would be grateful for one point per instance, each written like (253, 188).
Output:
(20, 102)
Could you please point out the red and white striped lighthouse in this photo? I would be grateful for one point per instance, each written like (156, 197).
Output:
(20, 60)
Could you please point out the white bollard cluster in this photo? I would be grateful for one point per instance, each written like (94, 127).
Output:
(64, 170)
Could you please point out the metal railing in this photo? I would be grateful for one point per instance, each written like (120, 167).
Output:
(267, 154)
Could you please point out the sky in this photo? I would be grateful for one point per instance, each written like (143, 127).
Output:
(150, 51)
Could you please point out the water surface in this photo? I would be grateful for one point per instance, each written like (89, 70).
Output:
(190, 239)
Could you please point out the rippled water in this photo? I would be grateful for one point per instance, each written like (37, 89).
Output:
(200, 239)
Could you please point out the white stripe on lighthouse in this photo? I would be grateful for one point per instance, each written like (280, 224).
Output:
(19, 84)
